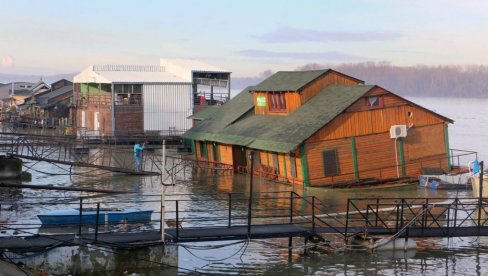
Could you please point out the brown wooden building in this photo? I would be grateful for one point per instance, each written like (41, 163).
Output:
(323, 128)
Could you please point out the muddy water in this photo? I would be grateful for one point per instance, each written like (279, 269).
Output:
(435, 256)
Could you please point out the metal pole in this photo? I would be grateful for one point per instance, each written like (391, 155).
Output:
(480, 202)
(177, 223)
(291, 207)
(347, 220)
(81, 214)
(313, 214)
(162, 216)
(230, 210)
(163, 166)
(97, 221)
(249, 210)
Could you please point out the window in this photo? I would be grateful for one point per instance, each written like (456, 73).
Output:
(331, 164)
(128, 94)
(277, 101)
(203, 149)
(375, 101)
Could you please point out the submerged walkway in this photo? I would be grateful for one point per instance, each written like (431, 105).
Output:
(67, 151)
(131, 239)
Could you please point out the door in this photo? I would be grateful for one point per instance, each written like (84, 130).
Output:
(239, 157)
(96, 123)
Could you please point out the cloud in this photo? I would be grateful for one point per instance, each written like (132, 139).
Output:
(332, 55)
(7, 62)
(289, 35)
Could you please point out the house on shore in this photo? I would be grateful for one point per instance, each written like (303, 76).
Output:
(118, 100)
(57, 106)
(322, 128)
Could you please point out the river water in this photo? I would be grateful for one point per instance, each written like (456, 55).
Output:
(436, 256)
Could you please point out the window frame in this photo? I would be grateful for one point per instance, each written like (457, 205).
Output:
(277, 101)
(373, 106)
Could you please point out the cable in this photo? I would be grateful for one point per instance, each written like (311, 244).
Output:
(12, 262)
(244, 246)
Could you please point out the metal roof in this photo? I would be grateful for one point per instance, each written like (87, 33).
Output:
(289, 80)
(126, 74)
(183, 68)
(55, 93)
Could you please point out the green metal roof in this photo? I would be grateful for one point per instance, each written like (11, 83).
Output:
(275, 133)
(289, 80)
(205, 113)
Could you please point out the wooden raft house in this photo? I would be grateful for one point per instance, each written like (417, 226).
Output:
(322, 128)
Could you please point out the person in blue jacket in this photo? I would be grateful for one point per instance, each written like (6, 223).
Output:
(138, 148)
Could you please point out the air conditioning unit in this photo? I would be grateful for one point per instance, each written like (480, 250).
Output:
(397, 131)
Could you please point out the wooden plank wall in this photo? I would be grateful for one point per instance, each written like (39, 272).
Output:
(376, 156)
(330, 78)
(424, 141)
(315, 160)
(226, 154)
(375, 121)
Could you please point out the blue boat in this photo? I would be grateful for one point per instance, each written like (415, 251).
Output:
(89, 216)
(445, 182)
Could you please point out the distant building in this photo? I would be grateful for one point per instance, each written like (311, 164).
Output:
(124, 99)
(322, 128)
(57, 106)
(18, 88)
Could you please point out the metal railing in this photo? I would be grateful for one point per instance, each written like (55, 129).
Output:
(181, 211)
(428, 216)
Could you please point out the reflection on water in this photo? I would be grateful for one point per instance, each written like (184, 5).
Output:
(434, 257)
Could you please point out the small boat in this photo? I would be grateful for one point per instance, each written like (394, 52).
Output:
(445, 182)
(89, 216)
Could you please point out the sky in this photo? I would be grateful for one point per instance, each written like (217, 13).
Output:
(244, 37)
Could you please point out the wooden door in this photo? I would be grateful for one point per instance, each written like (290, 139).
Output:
(239, 157)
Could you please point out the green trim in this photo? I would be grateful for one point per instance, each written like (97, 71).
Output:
(448, 151)
(194, 146)
(304, 166)
(267, 158)
(354, 158)
(402, 159)
(203, 149)
(284, 165)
